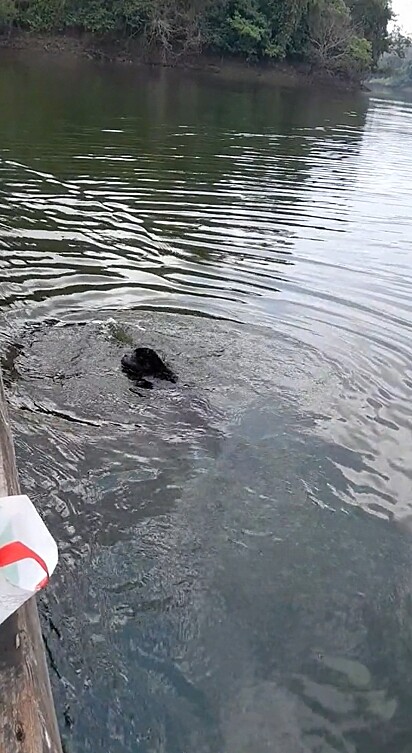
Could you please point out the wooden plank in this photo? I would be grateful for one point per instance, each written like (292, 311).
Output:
(28, 721)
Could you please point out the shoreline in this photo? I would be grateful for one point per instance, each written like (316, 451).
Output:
(65, 47)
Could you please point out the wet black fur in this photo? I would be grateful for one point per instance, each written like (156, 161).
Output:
(144, 364)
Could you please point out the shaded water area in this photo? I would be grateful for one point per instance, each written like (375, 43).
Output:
(236, 548)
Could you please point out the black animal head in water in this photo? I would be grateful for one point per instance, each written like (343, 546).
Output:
(143, 363)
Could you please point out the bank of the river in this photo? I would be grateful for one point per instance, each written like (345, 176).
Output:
(389, 87)
(68, 48)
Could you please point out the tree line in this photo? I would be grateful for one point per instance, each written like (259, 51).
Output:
(345, 37)
(394, 69)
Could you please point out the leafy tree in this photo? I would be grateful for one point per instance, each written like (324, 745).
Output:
(342, 36)
(395, 66)
(287, 20)
(133, 15)
(98, 16)
(399, 43)
(43, 15)
(372, 17)
(8, 14)
(332, 41)
(405, 77)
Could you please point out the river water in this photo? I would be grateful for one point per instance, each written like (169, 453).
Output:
(235, 549)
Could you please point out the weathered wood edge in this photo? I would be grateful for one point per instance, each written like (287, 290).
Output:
(28, 721)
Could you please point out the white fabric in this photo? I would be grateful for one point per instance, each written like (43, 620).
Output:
(20, 521)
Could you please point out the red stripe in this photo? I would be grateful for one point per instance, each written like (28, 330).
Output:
(16, 551)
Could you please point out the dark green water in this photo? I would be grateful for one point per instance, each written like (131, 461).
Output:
(236, 549)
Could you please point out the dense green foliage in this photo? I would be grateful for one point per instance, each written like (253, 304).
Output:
(342, 36)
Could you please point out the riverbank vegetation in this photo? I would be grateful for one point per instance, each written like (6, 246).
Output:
(342, 37)
(394, 70)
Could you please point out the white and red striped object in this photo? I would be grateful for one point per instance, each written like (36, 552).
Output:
(28, 553)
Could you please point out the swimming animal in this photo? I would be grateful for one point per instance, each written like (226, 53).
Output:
(143, 364)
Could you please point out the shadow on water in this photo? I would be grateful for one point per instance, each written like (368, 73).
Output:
(235, 548)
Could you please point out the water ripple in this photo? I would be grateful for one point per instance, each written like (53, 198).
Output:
(261, 239)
